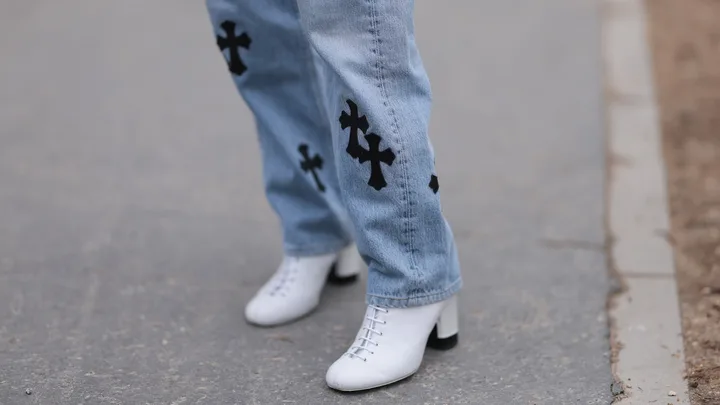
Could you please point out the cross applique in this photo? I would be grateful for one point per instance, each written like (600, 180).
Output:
(233, 43)
(372, 154)
(375, 156)
(312, 165)
(355, 122)
(434, 184)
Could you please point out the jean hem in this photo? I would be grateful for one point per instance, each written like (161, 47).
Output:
(415, 301)
(316, 250)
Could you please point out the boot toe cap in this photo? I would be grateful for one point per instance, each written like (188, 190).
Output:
(270, 311)
(260, 313)
(354, 374)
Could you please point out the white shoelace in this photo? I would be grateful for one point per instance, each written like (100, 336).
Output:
(367, 339)
(284, 277)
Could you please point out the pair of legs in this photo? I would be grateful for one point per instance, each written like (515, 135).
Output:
(341, 102)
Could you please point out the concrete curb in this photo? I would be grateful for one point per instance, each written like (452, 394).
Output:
(647, 330)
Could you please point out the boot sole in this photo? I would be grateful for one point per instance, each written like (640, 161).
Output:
(434, 342)
(334, 279)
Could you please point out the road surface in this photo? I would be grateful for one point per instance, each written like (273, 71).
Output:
(133, 228)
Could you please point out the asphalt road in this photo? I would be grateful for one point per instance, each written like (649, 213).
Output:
(133, 227)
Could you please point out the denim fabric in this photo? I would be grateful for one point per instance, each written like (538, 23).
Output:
(342, 101)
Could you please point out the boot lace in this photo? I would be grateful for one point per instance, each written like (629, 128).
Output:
(366, 338)
(284, 277)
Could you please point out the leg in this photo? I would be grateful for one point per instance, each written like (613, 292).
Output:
(367, 55)
(371, 67)
(272, 66)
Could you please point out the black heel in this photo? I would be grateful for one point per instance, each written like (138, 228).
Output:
(434, 342)
(333, 277)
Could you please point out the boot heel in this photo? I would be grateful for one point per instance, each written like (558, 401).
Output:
(347, 268)
(444, 335)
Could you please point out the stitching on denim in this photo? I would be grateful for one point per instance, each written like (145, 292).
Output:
(306, 44)
(405, 185)
(314, 249)
(445, 291)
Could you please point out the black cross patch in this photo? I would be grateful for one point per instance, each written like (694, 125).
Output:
(373, 154)
(233, 43)
(355, 122)
(311, 164)
(434, 184)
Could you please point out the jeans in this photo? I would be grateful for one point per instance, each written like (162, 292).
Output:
(341, 103)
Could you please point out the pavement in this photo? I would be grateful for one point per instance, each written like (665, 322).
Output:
(133, 228)
(649, 362)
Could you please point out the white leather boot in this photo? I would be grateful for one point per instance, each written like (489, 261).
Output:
(391, 343)
(294, 290)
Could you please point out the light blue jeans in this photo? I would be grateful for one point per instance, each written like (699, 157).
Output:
(341, 102)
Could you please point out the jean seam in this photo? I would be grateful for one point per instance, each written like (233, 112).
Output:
(310, 66)
(314, 250)
(443, 291)
(380, 77)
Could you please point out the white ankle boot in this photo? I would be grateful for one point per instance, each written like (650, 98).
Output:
(390, 345)
(294, 290)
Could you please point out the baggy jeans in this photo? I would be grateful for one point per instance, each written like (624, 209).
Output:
(341, 103)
